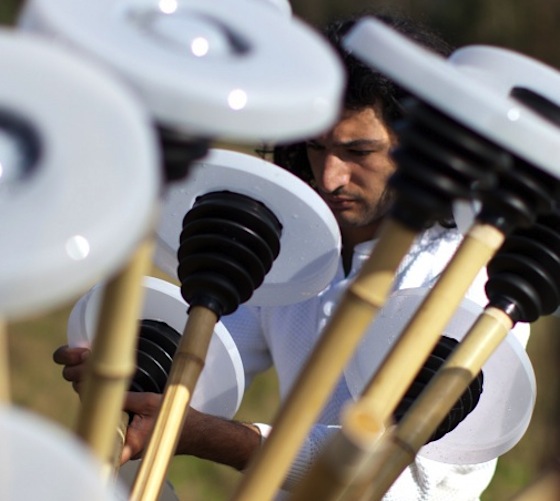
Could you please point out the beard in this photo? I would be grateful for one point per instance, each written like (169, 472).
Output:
(367, 214)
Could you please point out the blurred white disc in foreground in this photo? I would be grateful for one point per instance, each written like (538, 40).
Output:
(504, 411)
(42, 461)
(282, 6)
(213, 69)
(477, 97)
(79, 174)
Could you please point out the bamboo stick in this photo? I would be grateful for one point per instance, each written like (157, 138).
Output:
(359, 305)
(188, 363)
(112, 362)
(5, 394)
(389, 384)
(399, 448)
(343, 458)
(119, 442)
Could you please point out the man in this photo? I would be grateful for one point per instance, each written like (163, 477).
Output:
(349, 166)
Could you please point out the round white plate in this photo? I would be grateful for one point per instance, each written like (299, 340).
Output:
(283, 6)
(471, 97)
(221, 384)
(504, 411)
(310, 240)
(465, 213)
(41, 460)
(214, 69)
(87, 201)
(503, 69)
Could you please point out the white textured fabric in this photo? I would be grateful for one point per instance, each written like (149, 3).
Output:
(285, 336)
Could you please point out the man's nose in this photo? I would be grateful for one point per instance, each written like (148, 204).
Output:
(336, 173)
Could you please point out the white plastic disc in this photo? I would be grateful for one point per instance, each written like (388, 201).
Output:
(41, 460)
(79, 210)
(461, 93)
(504, 69)
(465, 213)
(283, 6)
(310, 240)
(504, 411)
(214, 68)
(221, 384)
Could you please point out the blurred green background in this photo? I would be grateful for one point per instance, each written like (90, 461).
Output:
(528, 26)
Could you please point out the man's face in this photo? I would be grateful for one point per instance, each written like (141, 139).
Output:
(351, 166)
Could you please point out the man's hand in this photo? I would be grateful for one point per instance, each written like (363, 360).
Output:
(144, 408)
(207, 437)
(74, 362)
(204, 436)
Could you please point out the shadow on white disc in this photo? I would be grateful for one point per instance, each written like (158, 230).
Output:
(504, 411)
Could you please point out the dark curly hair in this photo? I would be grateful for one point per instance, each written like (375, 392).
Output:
(365, 86)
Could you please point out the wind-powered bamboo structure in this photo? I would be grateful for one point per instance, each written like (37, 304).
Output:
(446, 144)
(173, 87)
(509, 205)
(389, 384)
(523, 284)
(416, 205)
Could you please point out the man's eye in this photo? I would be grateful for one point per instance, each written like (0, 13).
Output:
(360, 153)
(314, 146)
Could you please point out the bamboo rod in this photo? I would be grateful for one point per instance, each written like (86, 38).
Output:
(359, 305)
(5, 395)
(112, 362)
(119, 442)
(188, 363)
(399, 368)
(401, 446)
(342, 459)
